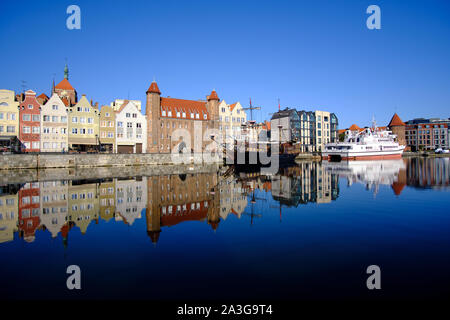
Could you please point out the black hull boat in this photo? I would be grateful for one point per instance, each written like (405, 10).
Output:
(251, 162)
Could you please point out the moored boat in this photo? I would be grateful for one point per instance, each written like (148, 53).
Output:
(368, 144)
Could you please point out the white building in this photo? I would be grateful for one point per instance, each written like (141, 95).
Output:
(231, 119)
(131, 199)
(54, 129)
(131, 129)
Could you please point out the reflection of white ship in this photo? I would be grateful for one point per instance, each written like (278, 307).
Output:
(369, 173)
(369, 144)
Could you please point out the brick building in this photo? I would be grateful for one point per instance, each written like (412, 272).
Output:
(30, 122)
(166, 115)
(428, 134)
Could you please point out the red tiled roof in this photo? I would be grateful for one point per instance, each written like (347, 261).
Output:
(354, 127)
(153, 88)
(188, 106)
(213, 96)
(396, 121)
(65, 101)
(43, 96)
(232, 106)
(64, 85)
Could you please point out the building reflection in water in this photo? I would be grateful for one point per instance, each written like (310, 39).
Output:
(168, 200)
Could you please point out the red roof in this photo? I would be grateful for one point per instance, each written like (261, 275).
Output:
(188, 106)
(153, 88)
(396, 121)
(64, 85)
(65, 101)
(232, 106)
(398, 187)
(214, 96)
(43, 96)
(354, 127)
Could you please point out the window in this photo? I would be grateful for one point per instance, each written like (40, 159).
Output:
(1, 115)
(120, 124)
(46, 118)
(54, 119)
(46, 130)
(30, 106)
(26, 130)
(134, 115)
(63, 119)
(163, 112)
(26, 117)
(54, 107)
(107, 114)
(90, 131)
(74, 119)
(74, 130)
(36, 129)
(36, 117)
(35, 144)
(86, 109)
(82, 120)
(169, 113)
(128, 115)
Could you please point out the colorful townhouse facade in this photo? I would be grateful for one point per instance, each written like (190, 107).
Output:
(54, 202)
(83, 126)
(108, 129)
(232, 118)
(30, 123)
(131, 128)
(54, 126)
(29, 211)
(8, 212)
(9, 114)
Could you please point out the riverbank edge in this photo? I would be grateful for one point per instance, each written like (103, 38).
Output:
(47, 161)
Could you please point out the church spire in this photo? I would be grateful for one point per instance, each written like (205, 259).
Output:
(66, 72)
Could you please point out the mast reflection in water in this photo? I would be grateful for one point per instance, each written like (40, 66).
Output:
(308, 231)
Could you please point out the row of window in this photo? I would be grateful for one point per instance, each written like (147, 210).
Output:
(9, 116)
(54, 145)
(82, 120)
(9, 129)
(82, 131)
(183, 114)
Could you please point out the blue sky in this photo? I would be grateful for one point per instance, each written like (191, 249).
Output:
(309, 54)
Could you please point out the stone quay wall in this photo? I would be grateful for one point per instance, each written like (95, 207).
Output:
(42, 161)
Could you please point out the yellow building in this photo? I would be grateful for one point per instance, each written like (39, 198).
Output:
(9, 114)
(323, 129)
(8, 213)
(53, 205)
(108, 129)
(83, 126)
(107, 199)
(83, 204)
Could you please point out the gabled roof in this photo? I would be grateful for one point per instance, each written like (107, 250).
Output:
(232, 106)
(188, 106)
(398, 187)
(396, 121)
(64, 85)
(65, 101)
(153, 88)
(354, 127)
(43, 96)
(124, 104)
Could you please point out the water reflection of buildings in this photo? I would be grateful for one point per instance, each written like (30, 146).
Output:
(62, 206)
(428, 173)
(173, 199)
(306, 182)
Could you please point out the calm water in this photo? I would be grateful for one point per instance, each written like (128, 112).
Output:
(309, 232)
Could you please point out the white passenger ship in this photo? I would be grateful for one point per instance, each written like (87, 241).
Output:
(369, 144)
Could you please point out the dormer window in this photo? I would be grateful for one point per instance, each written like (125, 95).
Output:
(55, 107)
(163, 112)
(170, 113)
(184, 114)
(178, 114)
(197, 116)
(205, 116)
(30, 106)
(192, 115)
